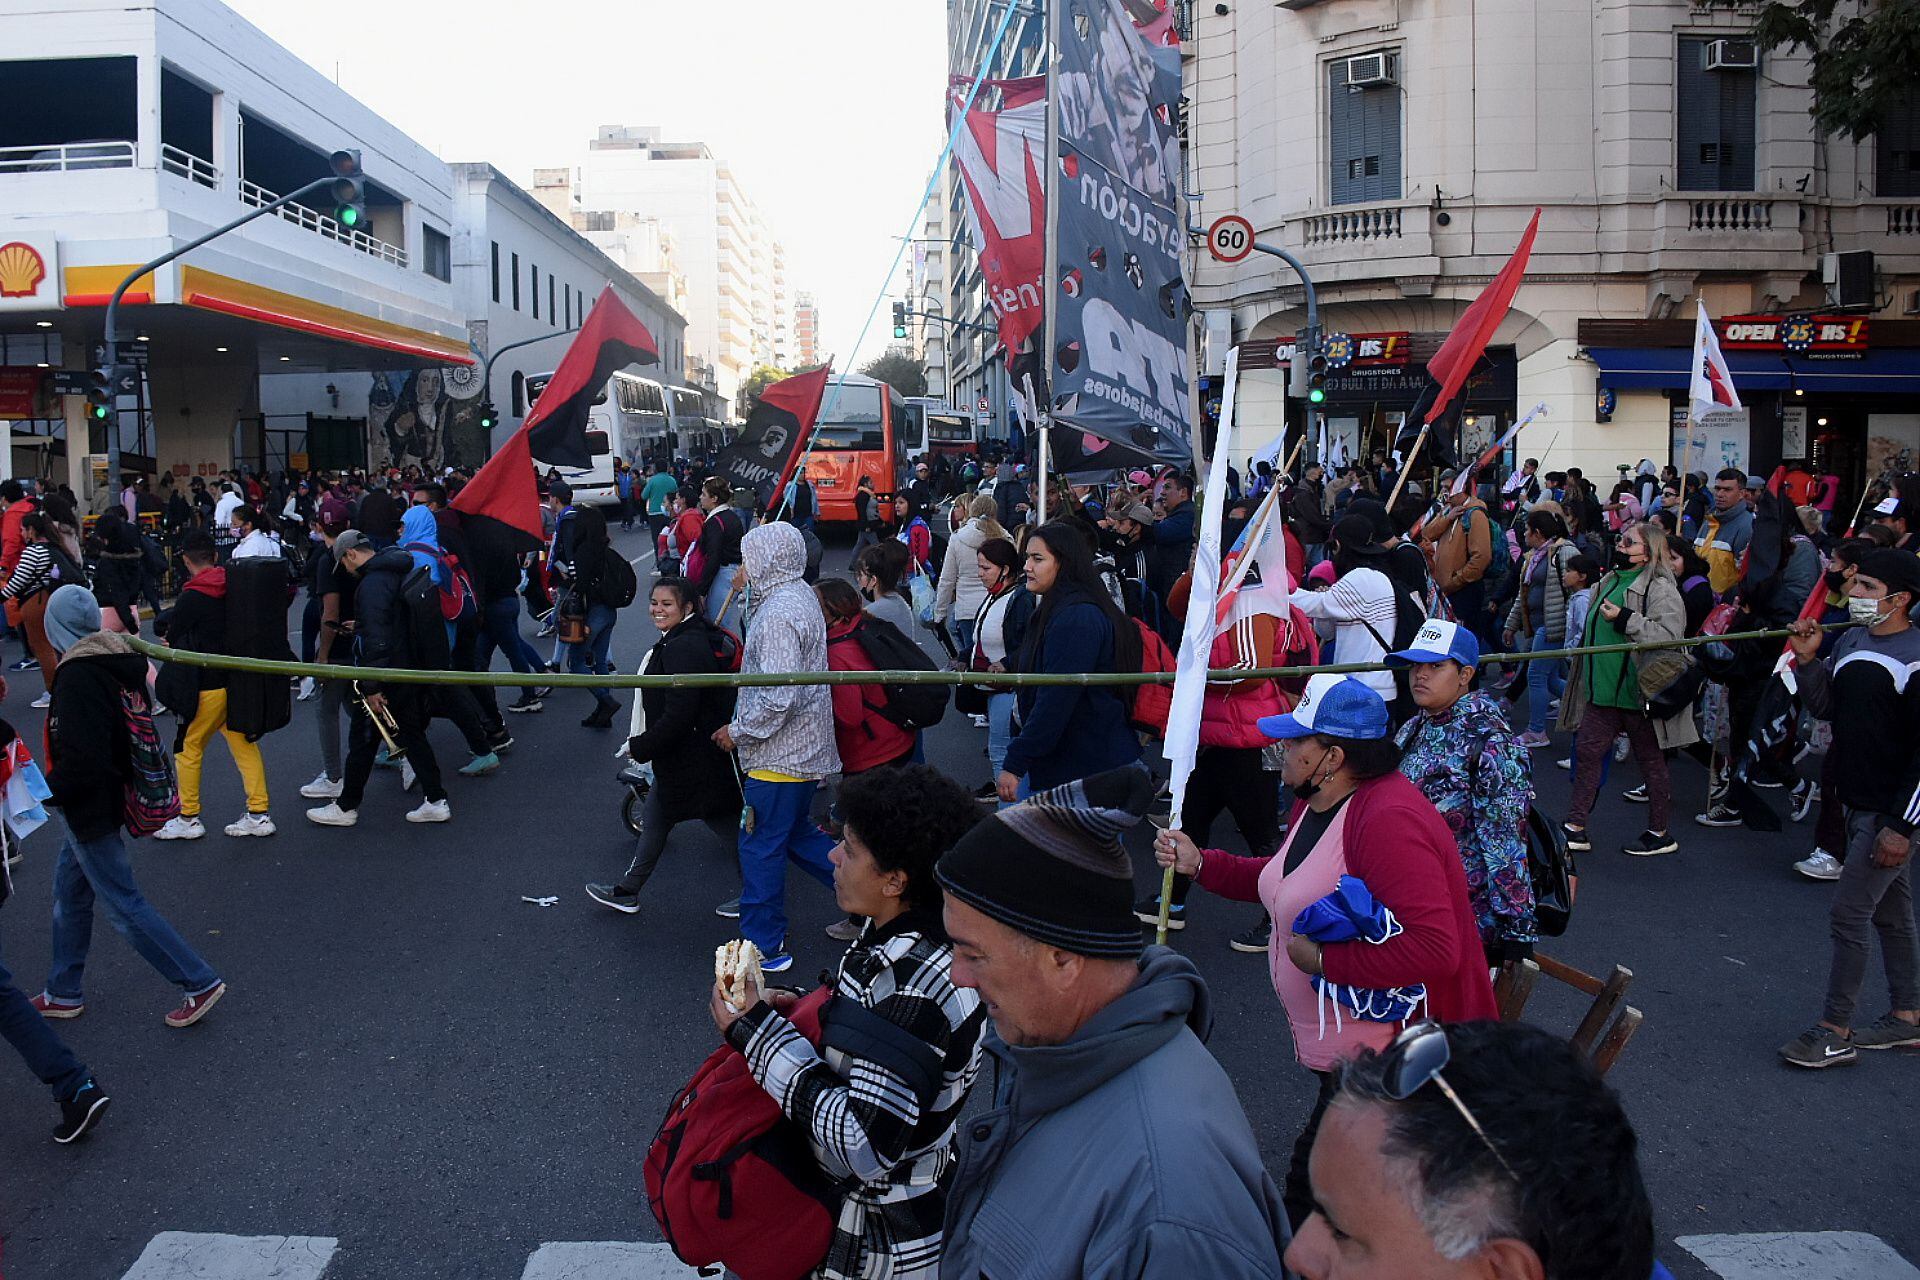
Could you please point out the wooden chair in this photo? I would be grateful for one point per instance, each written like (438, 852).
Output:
(1601, 1035)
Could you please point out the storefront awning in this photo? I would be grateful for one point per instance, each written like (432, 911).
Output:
(1669, 368)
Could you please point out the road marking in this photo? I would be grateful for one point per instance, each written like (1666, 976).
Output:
(198, 1255)
(1800, 1255)
(605, 1260)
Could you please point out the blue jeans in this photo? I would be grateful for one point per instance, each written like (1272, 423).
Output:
(89, 868)
(33, 1038)
(591, 658)
(717, 599)
(500, 629)
(1546, 680)
(999, 728)
(783, 828)
(963, 637)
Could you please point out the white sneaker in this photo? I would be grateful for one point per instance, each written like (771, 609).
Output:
(407, 776)
(321, 788)
(431, 811)
(332, 815)
(307, 688)
(44, 701)
(252, 824)
(181, 829)
(1819, 865)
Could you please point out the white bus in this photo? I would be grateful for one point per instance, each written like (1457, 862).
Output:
(696, 423)
(629, 419)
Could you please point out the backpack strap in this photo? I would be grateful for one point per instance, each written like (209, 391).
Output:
(859, 1032)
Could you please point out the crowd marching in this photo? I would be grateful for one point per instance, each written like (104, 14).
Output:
(1390, 817)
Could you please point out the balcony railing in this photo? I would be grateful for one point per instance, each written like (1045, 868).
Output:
(1353, 226)
(1733, 214)
(185, 164)
(1903, 219)
(63, 157)
(300, 216)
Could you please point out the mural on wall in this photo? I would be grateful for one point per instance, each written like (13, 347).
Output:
(428, 418)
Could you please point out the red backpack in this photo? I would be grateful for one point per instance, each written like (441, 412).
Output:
(457, 600)
(1151, 703)
(732, 1181)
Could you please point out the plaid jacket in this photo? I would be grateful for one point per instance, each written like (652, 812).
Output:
(890, 1143)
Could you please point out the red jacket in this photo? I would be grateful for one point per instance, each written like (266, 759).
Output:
(864, 736)
(1399, 845)
(11, 543)
(1230, 710)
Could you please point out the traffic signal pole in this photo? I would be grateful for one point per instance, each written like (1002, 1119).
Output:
(113, 303)
(487, 410)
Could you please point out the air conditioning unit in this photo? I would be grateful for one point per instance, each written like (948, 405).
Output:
(1731, 55)
(1848, 278)
(1913, 302)
(1370, 69)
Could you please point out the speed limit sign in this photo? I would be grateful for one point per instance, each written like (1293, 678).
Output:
(1230, 239)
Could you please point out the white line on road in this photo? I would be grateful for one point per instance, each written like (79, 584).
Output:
(1800, 1255)
(605, 1260)
(197, 1255)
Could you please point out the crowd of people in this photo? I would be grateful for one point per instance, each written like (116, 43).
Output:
(1385, 814)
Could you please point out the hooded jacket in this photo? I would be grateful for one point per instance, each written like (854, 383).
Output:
(1723, 540)
(197, 621)
(784, 729)
(1462, 545)
(383, 636)
(87, 750)
(1123, 1152)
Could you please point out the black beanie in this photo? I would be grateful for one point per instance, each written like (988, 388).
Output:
(1052, 867)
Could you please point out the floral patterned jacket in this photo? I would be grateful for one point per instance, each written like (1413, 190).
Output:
(1468, 762)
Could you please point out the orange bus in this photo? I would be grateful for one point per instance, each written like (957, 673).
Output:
(861, 432)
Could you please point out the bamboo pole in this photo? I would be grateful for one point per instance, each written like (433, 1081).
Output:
(1406, 468)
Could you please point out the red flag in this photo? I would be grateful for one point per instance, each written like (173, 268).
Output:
(555, 431)
(762, 458)
(1462, 349)
(1000, 157)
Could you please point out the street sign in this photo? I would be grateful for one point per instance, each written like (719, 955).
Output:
(69, 382)
(1230, 238)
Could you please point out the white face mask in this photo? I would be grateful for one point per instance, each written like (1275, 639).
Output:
(1865, 611)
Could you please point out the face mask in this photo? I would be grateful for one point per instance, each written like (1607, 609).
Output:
(1623, 561)
(1836, 580)
(1311, 787)
(1862, 610)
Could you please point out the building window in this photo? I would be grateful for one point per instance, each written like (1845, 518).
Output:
(496, 273)
(1363, 132)
(516, 282)
(566, 300)
(1896, 151)
(536, 290)
(1714, 121)
(436, 254)
(553, 312)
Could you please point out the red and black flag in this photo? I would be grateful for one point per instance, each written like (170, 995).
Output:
(555, 431)
(769, 447)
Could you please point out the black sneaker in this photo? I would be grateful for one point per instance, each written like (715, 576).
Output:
(1578, 841)
(611, 895)
(1147, 911)
(987, 791)
(1719, 815)
(78, 1113)
(1635, 795)
(1818, 1047)
(24, 664)
(1651, 843)
(728, 910)
(1253, 941)
(501, 742)
(602, 716)
(1888, 1033)
(528, 701)
(1804, 794)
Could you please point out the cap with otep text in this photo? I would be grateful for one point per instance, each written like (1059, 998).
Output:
(1438, 640)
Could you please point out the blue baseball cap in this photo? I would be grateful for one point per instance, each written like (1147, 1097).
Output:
(1437, 641)
(1335, 706)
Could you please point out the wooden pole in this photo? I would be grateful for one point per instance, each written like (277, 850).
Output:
(1406, 468)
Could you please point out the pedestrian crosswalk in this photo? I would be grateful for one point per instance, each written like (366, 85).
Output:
(198, 1255)
(1800, 1255)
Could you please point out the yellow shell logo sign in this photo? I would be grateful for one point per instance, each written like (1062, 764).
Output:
(21, 270)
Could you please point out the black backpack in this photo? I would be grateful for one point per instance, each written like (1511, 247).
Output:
(426, 627)
(618, 584)
(1550, 867)
(911, 706)
(802, 502)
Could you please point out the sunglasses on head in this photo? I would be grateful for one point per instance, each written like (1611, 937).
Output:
(1418, 1055)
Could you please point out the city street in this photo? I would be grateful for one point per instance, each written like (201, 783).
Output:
(415, 1062)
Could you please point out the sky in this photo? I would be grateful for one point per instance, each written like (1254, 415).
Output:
(830, 114)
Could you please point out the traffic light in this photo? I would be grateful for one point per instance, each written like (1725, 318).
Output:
(899, 319)
(489, 416)
(1317, 371)
(103, 382)
(349, 191)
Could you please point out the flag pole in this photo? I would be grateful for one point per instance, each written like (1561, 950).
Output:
(1406, 468)
(1042, 404)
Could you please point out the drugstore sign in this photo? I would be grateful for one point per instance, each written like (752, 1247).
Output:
(1816, 337)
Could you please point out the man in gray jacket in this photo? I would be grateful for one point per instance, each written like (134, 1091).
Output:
(784, 735)
(1114, 1146)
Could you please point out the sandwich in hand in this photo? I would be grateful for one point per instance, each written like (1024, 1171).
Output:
(736, 967)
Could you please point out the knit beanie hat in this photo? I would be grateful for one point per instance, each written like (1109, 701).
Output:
(1052, 867)
(72, 614)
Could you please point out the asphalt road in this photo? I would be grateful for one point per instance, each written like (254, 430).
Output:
(416, 1062)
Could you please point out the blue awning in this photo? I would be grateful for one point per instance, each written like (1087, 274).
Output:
(1669, 368)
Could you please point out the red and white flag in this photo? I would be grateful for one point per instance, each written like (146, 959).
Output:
(1712, 386)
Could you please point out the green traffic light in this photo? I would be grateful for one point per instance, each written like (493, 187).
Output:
(348, 216)
(1317, 396)
(100, 412)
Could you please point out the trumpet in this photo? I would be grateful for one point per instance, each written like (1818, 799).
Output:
(383, 722)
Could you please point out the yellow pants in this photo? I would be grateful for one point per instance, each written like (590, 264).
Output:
(246, 755)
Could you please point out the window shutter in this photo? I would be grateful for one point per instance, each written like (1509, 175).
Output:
(1363, 140)
(1715, 127)
(1896, 151)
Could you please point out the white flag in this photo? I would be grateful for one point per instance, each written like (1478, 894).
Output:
(1712, 385)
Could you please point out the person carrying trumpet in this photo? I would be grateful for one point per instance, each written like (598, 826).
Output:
(385, 636)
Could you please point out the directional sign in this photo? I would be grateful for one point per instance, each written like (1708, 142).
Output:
(74, 382)
(1230, 238)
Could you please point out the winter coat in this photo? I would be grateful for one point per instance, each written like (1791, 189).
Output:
(1653, 612)
(1307, 510)
(11, 541)
(383, 635)
(88, 754)
(694, 778)
(961, 592)
(720, 542)
(1121, 1153)
(864, 737)
(785, 729)
(1462, 545)
(1230, 710)
(1068, 732)
(1172, 548)
(1722, 542)
(197, 621)
(1519, 619)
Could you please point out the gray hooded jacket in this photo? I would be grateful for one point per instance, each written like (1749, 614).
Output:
(1121, 1153)
(786, 729)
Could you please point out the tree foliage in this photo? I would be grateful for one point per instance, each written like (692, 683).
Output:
(899, 370)
(762, 377)
(1865, 65)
